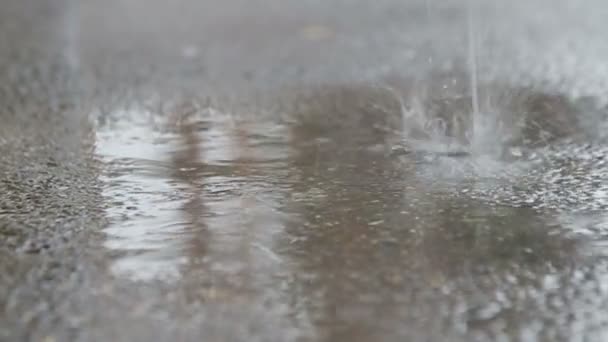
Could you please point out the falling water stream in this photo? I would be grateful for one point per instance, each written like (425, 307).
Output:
(472, 61)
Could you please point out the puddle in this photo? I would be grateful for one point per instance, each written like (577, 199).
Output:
(337, 231)
(217, 190)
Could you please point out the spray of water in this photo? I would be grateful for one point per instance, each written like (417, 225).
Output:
(446, 133)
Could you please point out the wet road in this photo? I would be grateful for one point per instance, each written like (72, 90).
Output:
(302, 171)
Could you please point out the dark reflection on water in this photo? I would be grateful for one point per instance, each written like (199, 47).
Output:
(186, 161)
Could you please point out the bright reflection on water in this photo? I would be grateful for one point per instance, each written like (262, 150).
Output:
(193, 191)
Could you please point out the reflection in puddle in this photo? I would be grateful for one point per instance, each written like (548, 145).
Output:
(197, 193)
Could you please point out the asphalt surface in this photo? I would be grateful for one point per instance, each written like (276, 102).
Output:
(302, 171)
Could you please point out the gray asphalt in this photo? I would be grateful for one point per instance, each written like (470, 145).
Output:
(302, 171)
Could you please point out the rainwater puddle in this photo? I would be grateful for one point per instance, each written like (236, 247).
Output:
(336, 232)
(210, 190)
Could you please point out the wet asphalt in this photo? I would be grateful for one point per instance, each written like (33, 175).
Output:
(302, 171)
